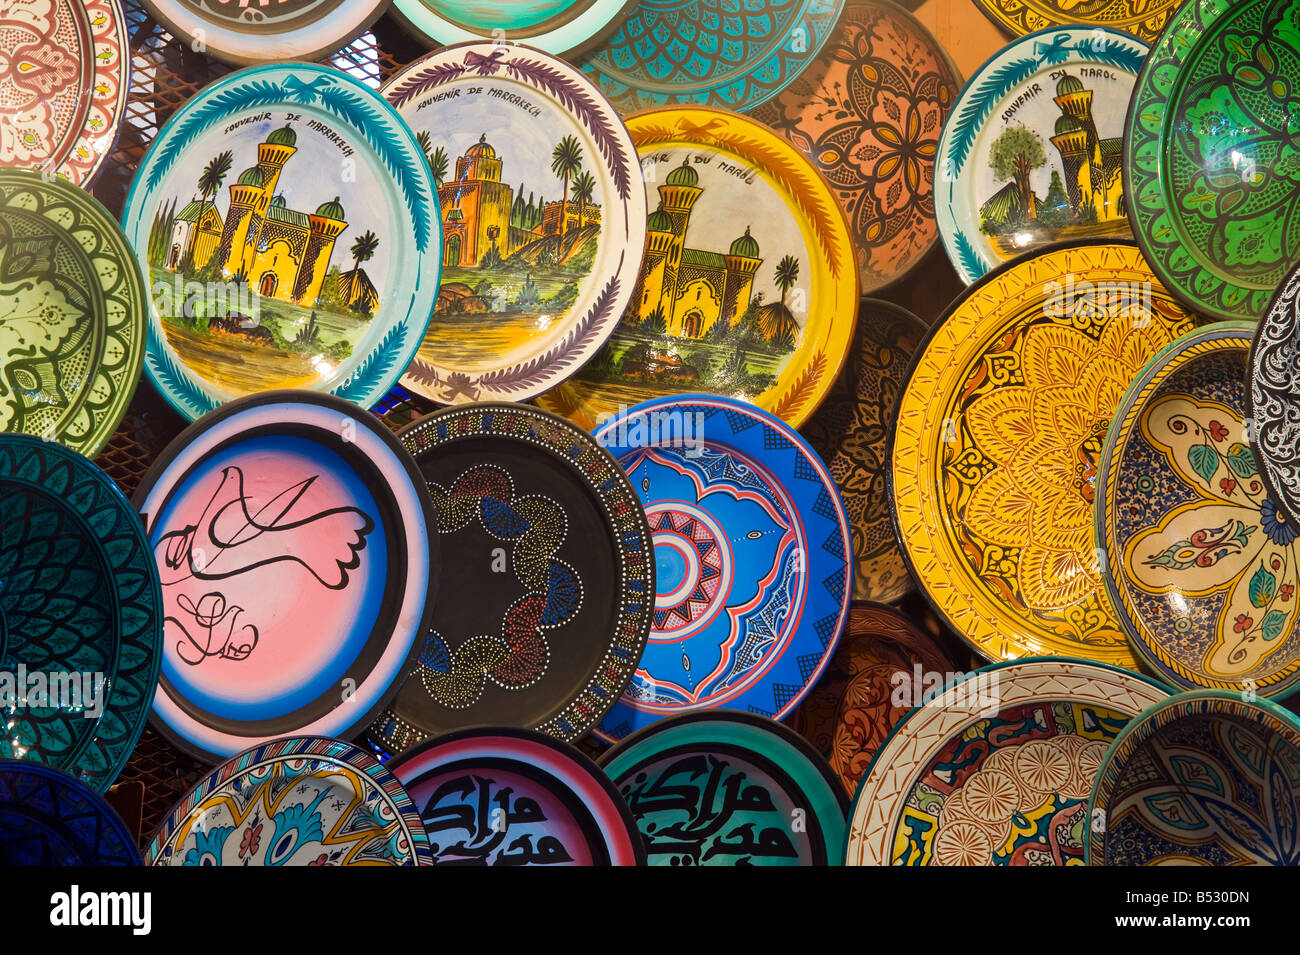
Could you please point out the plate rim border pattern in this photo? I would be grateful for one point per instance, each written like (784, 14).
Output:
(425, 25)
(1288, 286)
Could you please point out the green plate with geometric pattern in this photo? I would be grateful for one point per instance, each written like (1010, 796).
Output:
(1211, 161)
(72, 313)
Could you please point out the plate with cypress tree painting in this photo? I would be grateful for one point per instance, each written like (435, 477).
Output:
(1031, 153)
(558, 27)
(514, 797)
(547, 600)
(287, 224)
(749, 287)
(868, 112)
(543, 214)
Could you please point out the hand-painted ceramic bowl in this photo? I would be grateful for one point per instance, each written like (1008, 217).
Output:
(560, 27)
(49, 818)
(1202, 778)
(1143, 18)
(1200, 564)
(1274, 397)
(994, 768)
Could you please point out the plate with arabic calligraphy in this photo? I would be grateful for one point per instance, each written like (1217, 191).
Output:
(1142, 18)
(868, 112)
(49, 818)
(1000, 429)
(291, 534)
(64, 77)
(80, 614)
(1201, 565)
(752, 551)
(994, 768)
(287, 222)
(545, 609)
(1274, 398)
(853, 707)
(1160, 797)
(1212, 175)
(298, 801)
(848, 432)
(73, 313)
(238, 31)
(559, 27)
(720, 788)
(708, 52)
(1031, 151)
(748, 287)
(515, 797)
(531, 288)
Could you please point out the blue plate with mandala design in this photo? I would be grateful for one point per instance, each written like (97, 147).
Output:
(305, 800)
(752, 559)
(80, 614)
(49, 818)
(1200, 564)
(1202, 778)
(286, 220)
(709, 52)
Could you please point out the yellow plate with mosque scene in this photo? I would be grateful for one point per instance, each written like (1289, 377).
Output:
(1000, 430)
(749, 287)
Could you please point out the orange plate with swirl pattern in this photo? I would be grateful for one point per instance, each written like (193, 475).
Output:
(993, 462)
(868, 112)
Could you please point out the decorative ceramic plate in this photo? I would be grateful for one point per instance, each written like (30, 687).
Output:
(545, 609)
(709, 52)
(238, 31)
(80, 614)
(1274, 398)
(1203, 778)
(288, 224)
(73, 312)
(300, 801)
(761, 308)
(1210, 171)
(723, 788)
(1142, 18)
(849, 431)
(515, 797)
(64, 79)
(855, 704)
(1031, 151)
(1199, 564)
(868, 113)
(996, 767)
(752, 552)
(559, 27)
(291, 534)
(531, 288)
(49, 818)
(999, 435)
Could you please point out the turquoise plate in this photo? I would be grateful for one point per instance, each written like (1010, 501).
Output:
(553, 26)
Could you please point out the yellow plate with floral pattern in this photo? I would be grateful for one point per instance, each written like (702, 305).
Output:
(1000, 430)
(749, 287)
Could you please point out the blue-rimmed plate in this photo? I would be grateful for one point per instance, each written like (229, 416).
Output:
(1031, 152)
(753, 561)
(287, 224)
(49, 818)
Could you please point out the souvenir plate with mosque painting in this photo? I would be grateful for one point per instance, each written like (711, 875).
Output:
(1160, 796)
(1201, 565)
(64, 78)
(752, 559)
(868, 112)
(749, 287)
(1031, 151)
(995, 768)
(546, 605)
(1142, 18)
(290, 531)
(999, 436)
(298, 801)
(288, 226)
(559, 27)
(720, 789)
(515, 797)
(543, 215)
